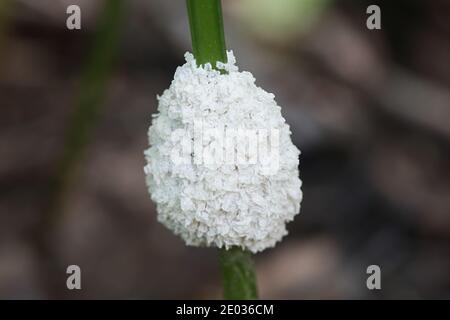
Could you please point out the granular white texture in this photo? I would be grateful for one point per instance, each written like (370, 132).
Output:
(228, 204)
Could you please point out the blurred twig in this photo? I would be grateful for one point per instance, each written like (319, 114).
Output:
(5, 8)
(93, 82)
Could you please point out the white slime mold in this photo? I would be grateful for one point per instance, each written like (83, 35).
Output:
(226, 204)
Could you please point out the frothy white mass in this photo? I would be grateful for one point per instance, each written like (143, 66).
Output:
(229, 204)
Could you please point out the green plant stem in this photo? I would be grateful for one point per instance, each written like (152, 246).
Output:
(238, 273)
(208, 44)
(206, 24)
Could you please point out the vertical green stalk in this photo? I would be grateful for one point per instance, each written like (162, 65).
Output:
(208, 44)
(206, 24)
(238, 272)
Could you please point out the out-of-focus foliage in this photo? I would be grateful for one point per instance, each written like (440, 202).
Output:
(281, 19)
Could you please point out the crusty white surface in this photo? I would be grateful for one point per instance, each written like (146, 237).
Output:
(227, 204)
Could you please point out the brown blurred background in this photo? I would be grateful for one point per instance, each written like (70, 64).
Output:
(370, 111)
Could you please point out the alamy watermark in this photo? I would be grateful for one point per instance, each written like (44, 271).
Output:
(373, 22)
(374, 280)
(73, 281)
(221, 145)
(73, 21)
